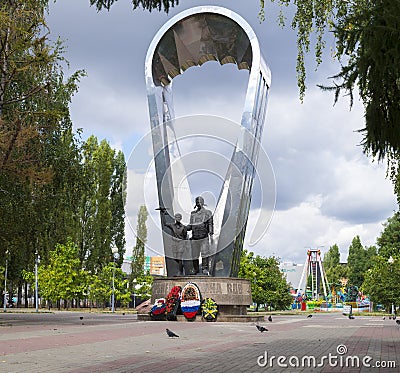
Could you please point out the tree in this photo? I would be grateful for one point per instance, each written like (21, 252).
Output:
(141, 285)
(382, 281)
(46, 193)
(332, 257)
(268, 284)
(30, 80)
(102, 207)
(118, 201)
(137, 264)
(159, 5)
(356, 261)
(366, 34)
(34, 122)
(359, 261)
(335, 271)
(100, 286)
(62, 278)
(389, 240)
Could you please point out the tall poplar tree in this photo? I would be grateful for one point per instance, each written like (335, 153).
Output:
(335, 271)
(103, 204)
(137, 265)
(356, 262)
(359, 261)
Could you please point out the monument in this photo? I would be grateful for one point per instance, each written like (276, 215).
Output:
(191, 38)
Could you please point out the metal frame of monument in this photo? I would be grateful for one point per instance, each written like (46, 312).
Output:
(191, 38)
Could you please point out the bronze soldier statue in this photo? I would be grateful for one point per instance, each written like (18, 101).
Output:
(202, 227)
(179, 240)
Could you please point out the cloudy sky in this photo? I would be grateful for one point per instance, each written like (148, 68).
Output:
(327, 191)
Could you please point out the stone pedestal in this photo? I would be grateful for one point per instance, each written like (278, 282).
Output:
(232, 295)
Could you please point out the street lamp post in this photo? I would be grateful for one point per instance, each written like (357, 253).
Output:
(390, 261)
(5, 283)
(115, 257)
(37, 261)
(134, 292)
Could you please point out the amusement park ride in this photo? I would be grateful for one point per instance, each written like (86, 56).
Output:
(314, 267)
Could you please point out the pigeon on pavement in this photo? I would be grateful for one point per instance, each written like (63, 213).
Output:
(171, 333)
(309, 316)
(261, 328)
(270, 318)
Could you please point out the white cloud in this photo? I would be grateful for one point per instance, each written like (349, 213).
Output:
(293, 231)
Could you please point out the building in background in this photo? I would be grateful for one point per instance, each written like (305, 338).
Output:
(155, 265)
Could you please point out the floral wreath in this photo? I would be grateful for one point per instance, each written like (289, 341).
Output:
(209, 309)
(158, 310)
(173, 302)
(190, 301)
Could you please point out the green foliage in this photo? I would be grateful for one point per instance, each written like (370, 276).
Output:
(355, 262)
(100, 286)
(34, 135)
(382, 281)
(336, 274)
(310, 17)
(141, 285)
(33, 92)
(366, 35)
(52, 186)
(103, 201)
(389, 240)
(118, 201)
(160, 5)
(62, 278)
(332, 257)
(268, 284)
(359, 261)
(334, 271)
(137, 265)
(2, 272)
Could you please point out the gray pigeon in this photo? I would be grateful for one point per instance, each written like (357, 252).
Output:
(309, 316)
(270, 318)
(171, 333)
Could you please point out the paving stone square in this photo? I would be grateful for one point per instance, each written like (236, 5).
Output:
(82, 342)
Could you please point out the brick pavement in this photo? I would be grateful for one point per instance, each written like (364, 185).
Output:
(62, 342)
